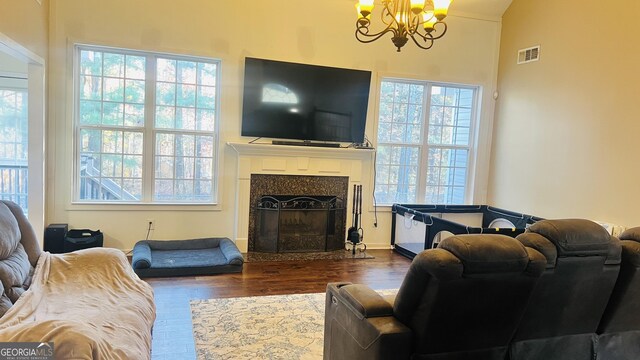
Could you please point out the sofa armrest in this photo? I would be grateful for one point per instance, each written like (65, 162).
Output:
(360, 325)
(364, 301)
(231, 252)
(141, 258)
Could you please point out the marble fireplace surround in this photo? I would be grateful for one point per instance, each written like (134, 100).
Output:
(291, 162)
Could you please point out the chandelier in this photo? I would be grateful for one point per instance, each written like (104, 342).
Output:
(404, 19)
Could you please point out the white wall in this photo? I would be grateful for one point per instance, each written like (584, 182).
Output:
(565, 142)
(24, 35)
(319, 32)
(26, 23)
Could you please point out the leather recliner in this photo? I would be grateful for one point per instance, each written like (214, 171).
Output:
(19, 253)
(565, 308)
(462, 300)
(620, 325)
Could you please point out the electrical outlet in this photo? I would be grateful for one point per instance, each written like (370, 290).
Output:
(151, 224)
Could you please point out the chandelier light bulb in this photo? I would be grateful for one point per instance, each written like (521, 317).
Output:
(440, 8)
(362, 20)
(417, 6)
(429, 21)
(366, 6)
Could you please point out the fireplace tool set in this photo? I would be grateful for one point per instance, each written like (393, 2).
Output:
(355, 232)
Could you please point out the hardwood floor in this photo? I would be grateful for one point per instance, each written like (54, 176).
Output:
(172, 333)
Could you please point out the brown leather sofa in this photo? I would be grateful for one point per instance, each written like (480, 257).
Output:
(619, 330)
(565, 308)
(462, 300)
(577, 296)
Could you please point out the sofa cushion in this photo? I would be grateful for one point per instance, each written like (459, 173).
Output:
(141, 258)
(14, 273)
(487, 253)
(631, 234)
(9, 232)
(541, 244)
(574, 237)
(19, 252)
(28, 237)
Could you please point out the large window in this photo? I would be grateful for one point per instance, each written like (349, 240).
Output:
(146, 127)
(13, 146)
(424, 142)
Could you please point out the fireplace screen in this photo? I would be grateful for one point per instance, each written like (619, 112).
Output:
(299, 223)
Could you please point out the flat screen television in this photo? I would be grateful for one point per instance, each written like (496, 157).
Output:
(304, 102)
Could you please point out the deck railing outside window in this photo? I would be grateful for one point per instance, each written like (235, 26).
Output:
(13, 184)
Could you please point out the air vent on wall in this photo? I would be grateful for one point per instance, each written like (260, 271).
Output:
(529, 54)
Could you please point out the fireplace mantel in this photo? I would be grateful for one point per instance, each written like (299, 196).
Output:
(305, 151)
(290, 160)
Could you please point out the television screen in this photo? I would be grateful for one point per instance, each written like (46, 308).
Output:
(305, 102)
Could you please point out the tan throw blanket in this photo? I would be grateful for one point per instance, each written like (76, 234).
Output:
(89, 303)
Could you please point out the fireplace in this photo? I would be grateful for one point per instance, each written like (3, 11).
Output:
(297, 213)
(286, 223)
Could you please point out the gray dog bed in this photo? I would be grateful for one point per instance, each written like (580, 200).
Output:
(186, 257)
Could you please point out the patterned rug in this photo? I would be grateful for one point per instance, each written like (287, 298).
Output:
(287, 327)
(328, 255)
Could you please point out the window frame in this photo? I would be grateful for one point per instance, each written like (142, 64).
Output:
(148, 129)
(424, 146)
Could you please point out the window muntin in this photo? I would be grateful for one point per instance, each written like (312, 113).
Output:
(128, 98)
(424, 142)
(184, 167)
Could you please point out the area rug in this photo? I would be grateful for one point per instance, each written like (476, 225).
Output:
(287, 327)
(328, 255)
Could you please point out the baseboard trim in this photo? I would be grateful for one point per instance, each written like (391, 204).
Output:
(242, 244)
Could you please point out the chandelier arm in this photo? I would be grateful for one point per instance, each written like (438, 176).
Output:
(413, 25)
(426, 39)
(387, 13)
(444, 31)
(371, 37)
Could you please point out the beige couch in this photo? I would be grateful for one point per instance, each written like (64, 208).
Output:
(89, 303)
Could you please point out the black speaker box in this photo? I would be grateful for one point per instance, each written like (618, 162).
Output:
(54, 236)
(82, 239)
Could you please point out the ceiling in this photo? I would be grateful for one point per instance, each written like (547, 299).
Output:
(483, 8)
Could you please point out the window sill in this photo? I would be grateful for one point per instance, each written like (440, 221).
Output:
(97, 206)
